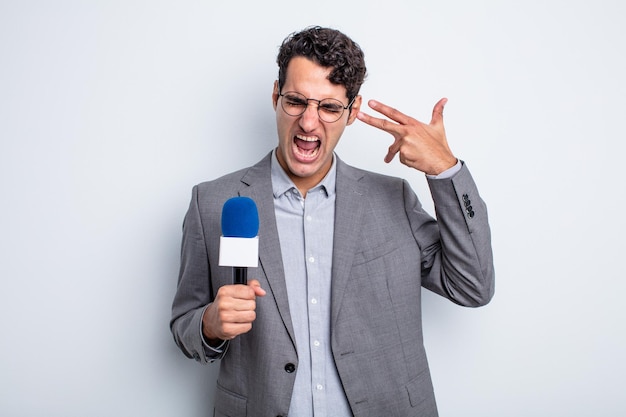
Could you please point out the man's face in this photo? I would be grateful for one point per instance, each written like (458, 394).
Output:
(306, 143)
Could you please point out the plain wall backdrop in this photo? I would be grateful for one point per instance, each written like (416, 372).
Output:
(110, 111)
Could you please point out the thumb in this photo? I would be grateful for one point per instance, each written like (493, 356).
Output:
(256, 286)
(438, 111)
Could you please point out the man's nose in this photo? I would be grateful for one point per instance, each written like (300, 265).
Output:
(310, 118)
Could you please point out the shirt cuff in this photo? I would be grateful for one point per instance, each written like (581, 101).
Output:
(448, 173)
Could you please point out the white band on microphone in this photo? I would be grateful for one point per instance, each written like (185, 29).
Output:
(239, 251)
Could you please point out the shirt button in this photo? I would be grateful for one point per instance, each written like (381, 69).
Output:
(290, 368)
(316, 343)
(313, 300)
(319, 387)
(311, 259)
(309, 218)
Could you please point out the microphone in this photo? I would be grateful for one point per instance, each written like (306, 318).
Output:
(239, 243)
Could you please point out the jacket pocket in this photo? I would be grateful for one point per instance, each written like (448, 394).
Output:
(229, 404)
(421, 393)
(369, 255)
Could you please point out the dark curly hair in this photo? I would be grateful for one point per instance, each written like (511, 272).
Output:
(329, 48)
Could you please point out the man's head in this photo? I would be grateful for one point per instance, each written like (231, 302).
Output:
(317, 67)
(329, 48)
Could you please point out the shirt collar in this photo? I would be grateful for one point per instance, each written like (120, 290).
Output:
(281, 183)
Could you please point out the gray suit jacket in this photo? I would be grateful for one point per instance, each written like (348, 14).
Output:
(386, 248)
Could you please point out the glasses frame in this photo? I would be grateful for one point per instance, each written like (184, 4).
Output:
(344, 108)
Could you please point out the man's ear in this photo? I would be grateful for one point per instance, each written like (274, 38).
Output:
(354, 110)
(275, 95)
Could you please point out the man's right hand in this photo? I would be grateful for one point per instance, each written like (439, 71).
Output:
(232, 312)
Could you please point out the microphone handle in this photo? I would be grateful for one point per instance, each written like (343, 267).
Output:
(240, 275)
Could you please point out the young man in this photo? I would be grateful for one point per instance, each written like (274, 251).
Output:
(332, 325)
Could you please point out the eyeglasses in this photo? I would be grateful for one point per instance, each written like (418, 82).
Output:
(329, 110)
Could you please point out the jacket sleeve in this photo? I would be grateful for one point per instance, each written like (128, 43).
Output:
(194, 291)
(457, 260)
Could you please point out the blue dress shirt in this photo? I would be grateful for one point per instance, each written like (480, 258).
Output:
(306, 228)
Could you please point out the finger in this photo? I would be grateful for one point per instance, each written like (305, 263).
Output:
(236, 291)
(390, 112)
(225, 307)
(384, 125)
(393, 150)
(256, 286)
(438, 111)
(232, 330)
(381, 124)
(242, 306)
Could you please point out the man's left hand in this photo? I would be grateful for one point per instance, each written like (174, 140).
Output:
(421, 146)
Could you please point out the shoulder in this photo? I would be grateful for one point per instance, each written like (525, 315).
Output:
(227, 181)
(370, 180)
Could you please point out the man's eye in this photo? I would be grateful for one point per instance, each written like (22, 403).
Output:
(294, 102)
(331, 108)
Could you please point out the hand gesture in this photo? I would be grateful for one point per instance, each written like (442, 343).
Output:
(421, 146)
(232, 312)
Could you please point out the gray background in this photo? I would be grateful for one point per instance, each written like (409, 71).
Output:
(111, 111)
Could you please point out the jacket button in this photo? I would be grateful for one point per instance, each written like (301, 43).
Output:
(290, 368)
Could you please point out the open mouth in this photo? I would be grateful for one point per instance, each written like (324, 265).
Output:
(306, 147)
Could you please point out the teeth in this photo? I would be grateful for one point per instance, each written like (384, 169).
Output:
(307, 138)
(313, 153)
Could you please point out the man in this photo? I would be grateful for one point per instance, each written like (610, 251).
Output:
(331, 326)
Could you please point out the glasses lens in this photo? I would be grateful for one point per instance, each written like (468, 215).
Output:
(330, 110)
(294, 104)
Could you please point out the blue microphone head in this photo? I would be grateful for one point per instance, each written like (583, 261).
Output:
(240, 218)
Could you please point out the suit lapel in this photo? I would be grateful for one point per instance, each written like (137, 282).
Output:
(259, 188)
(348, 213)
(349, 207)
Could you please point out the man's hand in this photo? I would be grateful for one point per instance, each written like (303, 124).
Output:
(421, 146)
(232, 312)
